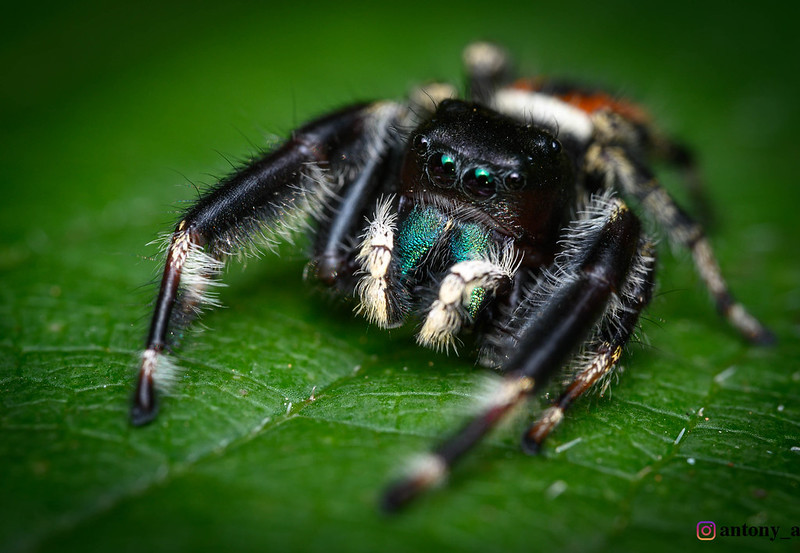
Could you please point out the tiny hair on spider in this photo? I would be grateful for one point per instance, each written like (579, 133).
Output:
(515, 214)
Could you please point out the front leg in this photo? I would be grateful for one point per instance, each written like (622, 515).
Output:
(604, 351)
(268, 199)
(553, 320)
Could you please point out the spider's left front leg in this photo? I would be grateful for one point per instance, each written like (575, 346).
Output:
(553, 320)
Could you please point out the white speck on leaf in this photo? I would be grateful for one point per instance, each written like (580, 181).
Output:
(566, 446)
(724, 375)
(556, 488)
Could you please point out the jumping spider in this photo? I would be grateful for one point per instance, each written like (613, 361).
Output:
(501, 213)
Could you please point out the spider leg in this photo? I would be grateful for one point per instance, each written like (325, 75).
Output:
(682, 158)
(268, 199)
(611, 163)
(343, 219)
(488, 67)
(605, 350)
(559, 321)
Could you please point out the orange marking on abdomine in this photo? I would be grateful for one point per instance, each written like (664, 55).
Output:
(589, 101)
(530, 84)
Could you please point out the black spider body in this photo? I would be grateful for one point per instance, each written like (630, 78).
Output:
(519, 179)
(501, 214)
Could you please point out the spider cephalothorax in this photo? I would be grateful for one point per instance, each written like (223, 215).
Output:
(502, 213)
(516, 179)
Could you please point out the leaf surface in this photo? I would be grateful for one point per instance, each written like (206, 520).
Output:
(291, 414)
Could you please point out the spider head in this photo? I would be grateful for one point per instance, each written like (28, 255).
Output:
(478, 164)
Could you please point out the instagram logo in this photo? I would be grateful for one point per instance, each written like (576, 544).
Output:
(706, 530)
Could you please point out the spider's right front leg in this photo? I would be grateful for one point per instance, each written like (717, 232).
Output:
(268, 199)
(553, 320)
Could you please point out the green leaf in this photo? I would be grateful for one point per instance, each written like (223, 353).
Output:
(291, 414)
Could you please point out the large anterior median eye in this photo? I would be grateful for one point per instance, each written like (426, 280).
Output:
(442, 167)
(479, 182)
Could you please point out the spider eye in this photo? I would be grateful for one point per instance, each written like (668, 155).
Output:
(448, 165)
(515, 180)
(442, 165)
(479, 183)
(442, 168)
(421, 143)
(483, 176)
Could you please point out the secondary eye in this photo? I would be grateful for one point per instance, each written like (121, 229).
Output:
(479, 182)
(515, 181)
(421, 143)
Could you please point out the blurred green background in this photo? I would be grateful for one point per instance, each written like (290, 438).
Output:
(113, 114)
